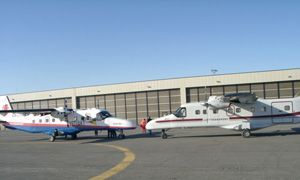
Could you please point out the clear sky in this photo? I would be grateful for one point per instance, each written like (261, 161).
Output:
(58, 44)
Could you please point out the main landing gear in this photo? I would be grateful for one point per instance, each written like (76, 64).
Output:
(53, 136)
(121, 135)
(56, 133)
(163, 134)
(246, 133)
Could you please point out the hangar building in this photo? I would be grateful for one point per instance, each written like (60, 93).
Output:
(156, 98)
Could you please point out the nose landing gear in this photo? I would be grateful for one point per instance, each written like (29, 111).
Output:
(163, 134)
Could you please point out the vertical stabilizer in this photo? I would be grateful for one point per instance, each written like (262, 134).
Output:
(4, 103)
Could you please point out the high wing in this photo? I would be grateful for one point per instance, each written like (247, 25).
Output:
(243, 97)
(49, 110)
(220, 102)
(60, 112)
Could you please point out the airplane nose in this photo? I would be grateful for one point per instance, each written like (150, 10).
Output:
(133, 125)
(149, 125)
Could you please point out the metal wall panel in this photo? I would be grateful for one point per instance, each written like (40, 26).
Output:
(271, 91)
(286, 89)
(258, 89)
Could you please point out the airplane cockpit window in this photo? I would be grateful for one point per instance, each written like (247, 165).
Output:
(180, 112)
(104, 115)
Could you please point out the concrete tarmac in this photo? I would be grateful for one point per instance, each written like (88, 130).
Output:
(208, 153)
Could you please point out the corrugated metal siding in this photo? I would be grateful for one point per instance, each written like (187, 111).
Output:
(214, 80)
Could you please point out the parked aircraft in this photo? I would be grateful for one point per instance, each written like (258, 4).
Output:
(239, 111)
(60, 121)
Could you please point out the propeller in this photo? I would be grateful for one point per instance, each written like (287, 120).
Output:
(65, 112)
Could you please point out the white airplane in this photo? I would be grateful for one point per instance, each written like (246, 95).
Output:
(60, 121)
(239, 111)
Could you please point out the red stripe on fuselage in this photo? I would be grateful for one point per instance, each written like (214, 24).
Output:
(179, 120)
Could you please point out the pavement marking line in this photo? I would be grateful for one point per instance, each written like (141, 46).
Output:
(129, 158)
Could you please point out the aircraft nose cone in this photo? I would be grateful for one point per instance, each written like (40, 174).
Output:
(132, 124)
(149, 125)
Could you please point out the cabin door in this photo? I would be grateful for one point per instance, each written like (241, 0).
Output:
(281, 112)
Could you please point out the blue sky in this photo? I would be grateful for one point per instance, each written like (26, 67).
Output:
(57, 44)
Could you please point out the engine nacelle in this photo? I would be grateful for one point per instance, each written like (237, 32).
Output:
(59, 113)
(218, 102)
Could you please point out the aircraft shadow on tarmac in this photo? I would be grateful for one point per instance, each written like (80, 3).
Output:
(103, 138)
(292, 131)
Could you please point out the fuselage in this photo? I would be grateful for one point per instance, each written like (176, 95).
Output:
(261, 114)
(77, 121)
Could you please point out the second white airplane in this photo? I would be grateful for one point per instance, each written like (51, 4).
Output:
(239, 111)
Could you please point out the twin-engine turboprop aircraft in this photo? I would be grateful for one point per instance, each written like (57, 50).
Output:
(60, 121)
(239, 111)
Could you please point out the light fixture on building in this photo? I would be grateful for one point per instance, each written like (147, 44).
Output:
(289, 76)
(148, 86)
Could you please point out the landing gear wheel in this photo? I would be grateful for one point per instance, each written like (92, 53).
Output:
(246, 133)
(122, 136)
(163, 134)
(52, 138)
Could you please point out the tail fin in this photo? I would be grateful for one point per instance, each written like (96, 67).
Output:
(4, 103)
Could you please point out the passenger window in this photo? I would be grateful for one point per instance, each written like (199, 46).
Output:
(88, 118)
(82, 118)
(263, 109)
(33, 121)
(252, 109)
(40, 121)
(215, 111)
(287, 108)
(47, 120)
(75, 118)
(204, 111)
(53, 120)
(197, 112)
(238, 110)
(230, 110)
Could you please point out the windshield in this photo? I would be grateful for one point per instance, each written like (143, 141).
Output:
(105, 114)
(180, 112)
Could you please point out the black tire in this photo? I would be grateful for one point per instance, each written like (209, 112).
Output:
(246, 133)
(164, 136)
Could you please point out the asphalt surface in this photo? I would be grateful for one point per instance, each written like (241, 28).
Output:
(209, 153)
